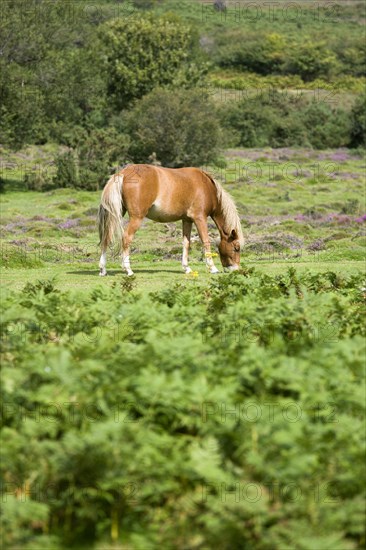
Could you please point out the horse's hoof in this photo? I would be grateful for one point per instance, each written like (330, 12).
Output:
(130, 274)
(102, 273)
(187, 270)
(214, 271)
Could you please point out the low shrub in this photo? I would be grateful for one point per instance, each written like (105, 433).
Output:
(67, 173)
(39, 180)
(94, 155)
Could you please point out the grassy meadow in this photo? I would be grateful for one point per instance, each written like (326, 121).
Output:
(299, 208)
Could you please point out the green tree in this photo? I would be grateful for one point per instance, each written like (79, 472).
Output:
(50, 74)
(180, 127)
(146, 52)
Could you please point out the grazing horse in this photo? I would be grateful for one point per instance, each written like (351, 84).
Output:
(168, 195)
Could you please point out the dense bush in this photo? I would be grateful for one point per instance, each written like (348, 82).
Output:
(67, 170)
(259, 53)
(266, 121)
(274, 53)
(225, 415)
(40, 180)
(281, 119)
(180, 127)
(351, 51)
(145, 52)
(94, 156)
(326, 127)
(358, 123)
(310, 60)
(147, 4)
(99, 153)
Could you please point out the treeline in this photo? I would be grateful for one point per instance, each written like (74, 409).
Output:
(131, 86)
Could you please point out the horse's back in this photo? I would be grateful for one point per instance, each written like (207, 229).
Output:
(167, 194)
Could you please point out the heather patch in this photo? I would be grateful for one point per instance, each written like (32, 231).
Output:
(332, 218)
(273, 242)
(69, 223)
(318, 244)
(19, 226)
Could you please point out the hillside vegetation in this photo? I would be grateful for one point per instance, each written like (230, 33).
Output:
(167, 410)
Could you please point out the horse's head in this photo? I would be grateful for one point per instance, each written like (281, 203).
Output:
(229, 249)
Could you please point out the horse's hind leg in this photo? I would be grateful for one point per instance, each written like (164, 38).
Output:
(132, 227)
(103, 263)
(201, 225)
(187, 228)
(103, 257)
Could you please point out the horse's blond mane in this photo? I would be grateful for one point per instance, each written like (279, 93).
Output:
(229, 211)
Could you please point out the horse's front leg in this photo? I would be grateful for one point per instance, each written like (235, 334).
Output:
(132, 227)
(201, 225)
(187, 228)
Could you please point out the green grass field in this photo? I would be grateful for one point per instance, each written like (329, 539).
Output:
(298, 207)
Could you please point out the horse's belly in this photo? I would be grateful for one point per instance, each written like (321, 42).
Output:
(157, 214)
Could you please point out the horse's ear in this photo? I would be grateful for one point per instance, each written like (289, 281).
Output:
(234, 235)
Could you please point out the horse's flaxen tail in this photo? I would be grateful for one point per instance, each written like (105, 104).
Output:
(110, 213)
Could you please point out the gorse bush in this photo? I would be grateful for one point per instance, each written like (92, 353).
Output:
(100, 152)
(261, 122)
(42, 181)
(222, 414)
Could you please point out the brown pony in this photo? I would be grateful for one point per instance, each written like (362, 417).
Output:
(168, 195)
